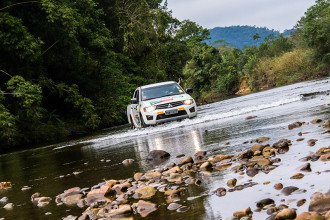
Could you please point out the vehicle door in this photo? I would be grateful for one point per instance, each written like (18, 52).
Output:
(135, 103)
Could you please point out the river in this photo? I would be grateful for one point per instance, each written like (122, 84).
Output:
(220, 128)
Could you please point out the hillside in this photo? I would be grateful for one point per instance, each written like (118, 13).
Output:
(241, 36)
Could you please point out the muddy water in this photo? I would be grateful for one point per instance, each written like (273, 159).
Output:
(49, 170)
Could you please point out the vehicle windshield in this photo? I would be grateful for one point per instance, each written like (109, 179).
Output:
(161, 91)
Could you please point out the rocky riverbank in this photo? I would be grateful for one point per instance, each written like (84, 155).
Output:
(145, 194)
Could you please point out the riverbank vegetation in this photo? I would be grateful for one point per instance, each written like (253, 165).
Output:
(71, 66)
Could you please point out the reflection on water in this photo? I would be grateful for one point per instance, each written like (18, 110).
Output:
(49, 170)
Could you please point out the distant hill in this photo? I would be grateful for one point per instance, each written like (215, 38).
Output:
(241, 36)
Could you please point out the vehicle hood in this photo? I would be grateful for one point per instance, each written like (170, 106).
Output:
(166, 99)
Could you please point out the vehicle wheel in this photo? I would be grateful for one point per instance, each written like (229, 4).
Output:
(132, 123)
(143, 124)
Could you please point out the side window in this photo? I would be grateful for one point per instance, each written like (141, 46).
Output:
(137, 96)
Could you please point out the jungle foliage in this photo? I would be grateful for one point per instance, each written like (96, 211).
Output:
(73, 65)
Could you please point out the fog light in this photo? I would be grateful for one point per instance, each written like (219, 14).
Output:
(150, 108)
(150, 117)
(192, 109)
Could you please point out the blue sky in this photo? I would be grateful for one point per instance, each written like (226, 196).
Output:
(273, 14)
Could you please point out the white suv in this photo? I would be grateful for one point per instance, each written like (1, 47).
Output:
(160, 102)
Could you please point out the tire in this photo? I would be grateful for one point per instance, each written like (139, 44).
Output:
(143, 124)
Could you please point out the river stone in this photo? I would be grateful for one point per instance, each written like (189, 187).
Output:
(9, 206)
(264, 202)
(305, 167)
(221, 157)
(310, 216)
(251, 171)
(173, 170)
(174, 177)
(264, 162)
(70, 217)
(301, 202)
(262, 139)
(232, 183)
(43, 201)
(152, 175)
(173, 206)
(69, 192)
(297, 176)
(325, 157)
(326, 124)
(289, 190)
(278, 186)
(200, 155)
(300, 139)
(327, 215)
(121, 210)
(4, 200)
(242, 213)
(72, 200)
(294, 125)
(119, 188)
(145, 192)
(205, 166)
(5, 185)
(316, 121)
(138, 176)
(312, 142)
(98, 194)
(250, 117)
(157, 154)
(320, 203)
(247, 154)
(183, 209)
(186, 160)
(144, 208)
(220, 192)
(257, 147)
(286, 214)
(127, 162)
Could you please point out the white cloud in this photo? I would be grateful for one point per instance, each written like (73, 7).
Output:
(274, 14)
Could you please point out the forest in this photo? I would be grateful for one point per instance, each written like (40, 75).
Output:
(73, 65)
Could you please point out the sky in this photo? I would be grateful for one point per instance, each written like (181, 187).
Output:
(273, 14)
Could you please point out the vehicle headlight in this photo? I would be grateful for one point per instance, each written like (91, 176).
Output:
(188, 102)
(150, 108)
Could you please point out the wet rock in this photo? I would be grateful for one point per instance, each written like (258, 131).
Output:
(310, 216)
(174, 177)
(286, 214)
(257, 147)
(128, 162)
(43, 201)
(69, 192)
(99, 195)
(316, 121)
(264, 202)
(264, 162)
(4, 200)
(70, 217)
(232, 183)
(222, 165)
(305, 167)
(206, 166)
(301, 202)
(243, 213)
(5, 185)
(72, 200)
(289, 190)
(250, 117)
(180, 155)
(312, 142)
(81, 203)
(173, 206)
(282, 145)
(327, 215)
(297, 176)
(138, 176)
(326, 124)
(144, 208)
(24, 188)
(35, 197)
(262, 139)
(121, 210)
(200, 155)
(221, 157)
(325, 157)
(119, 188)
(300, 134)
(320, 203)
(156, 157)
(183, 209)
(9, 206)
(220, 192)
(251, 171)
(247, 154)
(300, 139)
(294, 125)
(152, 175)
(173, 170)
(84, 217)
(145, 192)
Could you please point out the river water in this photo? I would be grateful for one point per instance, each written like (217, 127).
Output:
(49, 169)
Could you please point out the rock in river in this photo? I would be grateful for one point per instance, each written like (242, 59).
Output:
(264, 202)
(289, 190)
(145, 192)
(310, 216)
(144, 208)
(286, 214)
(320, 203)
(9, 206)
(156, 157)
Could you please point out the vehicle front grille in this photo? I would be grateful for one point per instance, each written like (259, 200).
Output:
(163, 116)
(169, 105)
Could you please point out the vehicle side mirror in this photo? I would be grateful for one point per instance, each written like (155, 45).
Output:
(189, 90)
(134, 101)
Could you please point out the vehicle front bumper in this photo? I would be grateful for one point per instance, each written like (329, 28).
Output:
(159, 116)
